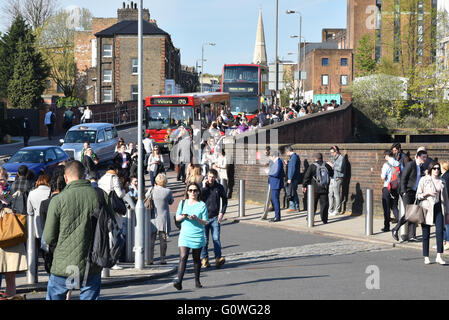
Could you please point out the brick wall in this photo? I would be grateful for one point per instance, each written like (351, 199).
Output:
(332, 126)
(364, 166)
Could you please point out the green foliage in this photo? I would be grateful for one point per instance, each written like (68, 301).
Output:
(365, 63)
(64, 102)
(8, 50)
(30, 72)
(379, 98)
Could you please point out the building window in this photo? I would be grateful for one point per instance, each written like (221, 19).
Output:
(134, 92)
(344, 80)
(134, 66)
(107, 75)
(325, 80)
(344, 62)
(47, 84)
(59, 88)
(107, 51)
(107, 95)
(324, 62)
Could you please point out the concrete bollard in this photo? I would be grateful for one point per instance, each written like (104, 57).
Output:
(241, 198)
(310, 206)
(369, 213)
(31, 252)
(130, 235)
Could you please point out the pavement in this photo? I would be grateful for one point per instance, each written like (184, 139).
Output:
(344, 226)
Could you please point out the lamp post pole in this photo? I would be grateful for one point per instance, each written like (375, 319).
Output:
(202, 61)
(140, 209)
(299, 48)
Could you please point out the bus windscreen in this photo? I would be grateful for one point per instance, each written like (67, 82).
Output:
(241, 73)
(248, 105)
(164, 117)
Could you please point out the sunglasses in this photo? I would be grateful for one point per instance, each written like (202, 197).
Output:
(436, 168)
(192, 190)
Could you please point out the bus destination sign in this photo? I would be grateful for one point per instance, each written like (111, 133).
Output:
(169, 101)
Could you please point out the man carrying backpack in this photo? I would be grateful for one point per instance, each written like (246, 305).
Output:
(69, 226)
(390, 196)
(318, 174)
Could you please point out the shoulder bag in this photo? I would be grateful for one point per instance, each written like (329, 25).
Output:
(415, 213)
(118, 205)
(178, 223)
(149, 204)
(12, 228)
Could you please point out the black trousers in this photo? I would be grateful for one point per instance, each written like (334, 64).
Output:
(389, 202)
(407, 198)
(439, 225)
(182, 172)
(324, 205)
(50, 130)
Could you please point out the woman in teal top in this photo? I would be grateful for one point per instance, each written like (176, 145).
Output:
(193, 214)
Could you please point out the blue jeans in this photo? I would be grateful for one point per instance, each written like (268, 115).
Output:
(295, 203)
(57, 288)
(446, 234)
(214, 227)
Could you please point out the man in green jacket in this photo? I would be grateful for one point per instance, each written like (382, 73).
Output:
(68, 226)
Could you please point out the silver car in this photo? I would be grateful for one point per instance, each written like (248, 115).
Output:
(102, 138)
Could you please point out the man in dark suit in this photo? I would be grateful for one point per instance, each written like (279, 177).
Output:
(26, 130)
(293, 176)
(413, 171)
(276, 179)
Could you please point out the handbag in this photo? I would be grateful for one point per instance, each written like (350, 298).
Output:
(415, 213)
(149, 204)
(178, 223)
(118, 205)
(12, 228)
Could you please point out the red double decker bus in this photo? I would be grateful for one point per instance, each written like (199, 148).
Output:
(247, 84)
(172, 111)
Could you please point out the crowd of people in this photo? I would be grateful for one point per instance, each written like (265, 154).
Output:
(416, 179)
(61, 206)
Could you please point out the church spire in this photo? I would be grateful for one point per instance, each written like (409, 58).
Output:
(260, 51)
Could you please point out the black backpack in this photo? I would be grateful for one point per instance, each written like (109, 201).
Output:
(321, 175)
(107, 241)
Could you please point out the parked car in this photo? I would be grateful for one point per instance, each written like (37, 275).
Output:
(102, 138)
(40, 159)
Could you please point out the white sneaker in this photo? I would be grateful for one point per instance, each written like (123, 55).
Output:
(440, 260)
(426, 260)
(332, 213)
(117, 267)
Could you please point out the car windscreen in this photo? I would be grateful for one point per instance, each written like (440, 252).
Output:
(81, 136)
(27, 156)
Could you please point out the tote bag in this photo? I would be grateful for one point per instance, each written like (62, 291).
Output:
(415, 213)
(12, 228)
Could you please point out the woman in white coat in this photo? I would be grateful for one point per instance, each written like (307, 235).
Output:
(433, 196)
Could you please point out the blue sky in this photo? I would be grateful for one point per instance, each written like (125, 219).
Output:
(231, 24)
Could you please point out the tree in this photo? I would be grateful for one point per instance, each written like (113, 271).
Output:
(8, 50)
(57, 44)
(365, 64)
(30, 72)
(35, 12)
(380, 97)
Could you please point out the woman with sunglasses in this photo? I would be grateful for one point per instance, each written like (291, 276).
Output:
(193, 216)
(155, 164)
(433, 196)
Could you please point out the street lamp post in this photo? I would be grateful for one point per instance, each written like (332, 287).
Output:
(202, 61)
(140, 209)
(299, 45)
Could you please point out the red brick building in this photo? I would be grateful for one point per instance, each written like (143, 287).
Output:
(106, 58)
